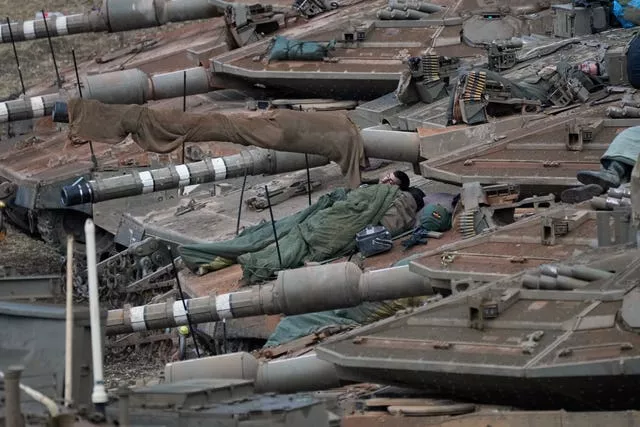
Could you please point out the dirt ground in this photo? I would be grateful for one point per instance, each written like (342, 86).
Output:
(23, 255)
(133, 367)
(35, 58)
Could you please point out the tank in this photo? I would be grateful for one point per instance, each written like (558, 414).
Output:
(543, 341)
(459, 263)
(227, 66)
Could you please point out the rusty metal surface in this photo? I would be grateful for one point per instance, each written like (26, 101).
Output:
(371, 68)
(361, 59)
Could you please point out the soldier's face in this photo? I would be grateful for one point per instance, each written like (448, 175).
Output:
(390, 179)
(589, 67)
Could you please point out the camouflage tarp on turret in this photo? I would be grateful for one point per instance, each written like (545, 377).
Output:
(329, 134)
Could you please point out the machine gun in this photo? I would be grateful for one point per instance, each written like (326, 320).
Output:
(501, 54)
(477, 89)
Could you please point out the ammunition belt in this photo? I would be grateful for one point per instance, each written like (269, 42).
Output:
(475, 86)
(430, 67)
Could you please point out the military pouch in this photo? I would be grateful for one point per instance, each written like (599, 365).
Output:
(373, 240)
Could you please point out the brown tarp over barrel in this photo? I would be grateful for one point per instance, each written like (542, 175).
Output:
(329, 134)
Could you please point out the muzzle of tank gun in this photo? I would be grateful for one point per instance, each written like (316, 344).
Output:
(78, 193)
(60, 113)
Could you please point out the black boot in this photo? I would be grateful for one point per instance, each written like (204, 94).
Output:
(580, 194)
(605, 178)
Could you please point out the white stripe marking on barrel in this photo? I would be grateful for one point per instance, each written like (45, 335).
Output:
(137, 319)
(147, 182)
(29, 30)
(61, 26)
(179, 313)
(4, 113)
(184, 174)
(219, 168)
(223, 306)
(37, 106)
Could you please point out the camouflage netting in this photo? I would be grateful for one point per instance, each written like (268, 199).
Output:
(323, 231)
(329, 134)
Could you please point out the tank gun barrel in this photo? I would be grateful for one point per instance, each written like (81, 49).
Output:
(255, 162)
(27, 108)
(119, 87)
(116, 16)
(137, 87)
(379, 142)
(292, 375)
(297, 291)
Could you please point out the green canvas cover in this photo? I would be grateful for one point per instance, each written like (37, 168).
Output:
(325, 234)
(435, 218)
(322, 231)
(252, 239)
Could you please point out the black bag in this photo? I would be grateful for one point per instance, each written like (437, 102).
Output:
(633, 62)
(373, 240)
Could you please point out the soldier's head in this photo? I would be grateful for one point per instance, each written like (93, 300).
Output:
(418, 196)
(398, 178)
(591, 68)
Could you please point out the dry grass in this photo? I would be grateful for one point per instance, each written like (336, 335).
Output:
(23, 255)
(35, 57)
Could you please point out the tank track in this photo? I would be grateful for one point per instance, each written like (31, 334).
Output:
(133, 276)
(50, 228)
(54, 226)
